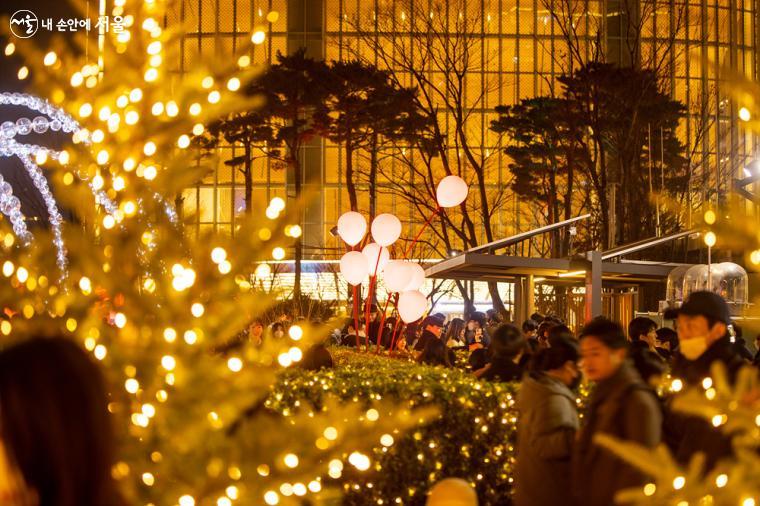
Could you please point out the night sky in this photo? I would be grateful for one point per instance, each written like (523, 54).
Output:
(10, 168)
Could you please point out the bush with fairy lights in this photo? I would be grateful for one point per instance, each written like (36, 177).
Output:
(472, 439)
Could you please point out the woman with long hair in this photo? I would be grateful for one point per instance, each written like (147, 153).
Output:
(55, 427)
(454, 336)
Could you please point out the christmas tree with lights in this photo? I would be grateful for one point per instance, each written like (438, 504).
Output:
(150, 301)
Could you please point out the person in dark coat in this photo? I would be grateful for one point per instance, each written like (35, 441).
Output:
(507, 344)
(702, 324)
(643, 329)
(667, 343)
(432, 326)
(478, 359)
(530, 328)
(435, 353)
(547, 424)
(740, 348)
(622, 406)
(477, 336)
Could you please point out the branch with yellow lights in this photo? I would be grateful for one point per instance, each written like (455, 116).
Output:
(152, 301)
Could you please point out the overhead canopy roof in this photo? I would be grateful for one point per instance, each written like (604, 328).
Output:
(504, 268)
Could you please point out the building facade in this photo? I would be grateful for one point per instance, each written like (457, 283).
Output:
(516, 48)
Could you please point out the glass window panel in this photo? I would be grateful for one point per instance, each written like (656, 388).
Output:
(527, 17)
(279, 6)
(509, 17)
(525, 61)
(526, 86)
(207, 15)
(332, 15)
(206, 204)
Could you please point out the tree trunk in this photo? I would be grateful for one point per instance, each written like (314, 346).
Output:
(350, 185)
(565, 250)
(498, 304)
(373, 178)
(248, 177)
(299, 243)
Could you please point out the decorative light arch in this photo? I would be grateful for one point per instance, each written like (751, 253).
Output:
(55, 119)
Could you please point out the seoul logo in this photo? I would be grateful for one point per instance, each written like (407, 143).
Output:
(24, 24)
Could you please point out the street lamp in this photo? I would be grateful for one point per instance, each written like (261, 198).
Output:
(751, 174)
(710, 240)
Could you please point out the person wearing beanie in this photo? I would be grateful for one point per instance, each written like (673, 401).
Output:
(702, 325)
(621, 406)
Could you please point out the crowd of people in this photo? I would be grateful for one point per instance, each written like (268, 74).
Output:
(50, 387)
(556, 453)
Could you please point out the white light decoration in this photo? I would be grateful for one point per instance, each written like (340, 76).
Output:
(377, 257)
(411, 305)
(417, 277)
(385, 229)
(397, 275)
(451, 191)
(57, 120)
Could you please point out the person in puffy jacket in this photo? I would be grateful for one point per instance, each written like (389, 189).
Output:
(548, 421)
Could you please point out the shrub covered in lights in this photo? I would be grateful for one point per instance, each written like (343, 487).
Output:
(471, 439)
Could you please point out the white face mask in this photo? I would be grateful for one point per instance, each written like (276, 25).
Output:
(693, 348)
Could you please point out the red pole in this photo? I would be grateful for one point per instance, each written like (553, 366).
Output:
(370, 293)
(356, 315)
(382, 323)
(419, 234)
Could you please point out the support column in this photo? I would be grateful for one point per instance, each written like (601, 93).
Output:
(530, 300)
(594, 286)
(520, 308)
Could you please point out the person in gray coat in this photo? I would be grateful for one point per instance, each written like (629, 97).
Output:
(548, 421)
(622, 406)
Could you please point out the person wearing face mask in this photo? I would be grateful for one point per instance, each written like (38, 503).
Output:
(621, 406)
(702, 326)
(547, 424)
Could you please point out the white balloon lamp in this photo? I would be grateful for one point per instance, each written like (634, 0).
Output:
(372, 252)
(397, 275)
(353, 266)
(416, 278)
(451, 191)
(351, 227)
(411, 305)
(386, 229)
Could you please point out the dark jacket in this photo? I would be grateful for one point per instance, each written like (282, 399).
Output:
(623, 407)
(547, 423)
(502, 369)
(686, 435)
(424, 339)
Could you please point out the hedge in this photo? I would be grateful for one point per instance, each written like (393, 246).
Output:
(472, 439)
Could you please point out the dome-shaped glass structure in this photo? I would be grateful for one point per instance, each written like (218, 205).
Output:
(727, 279)
(734, 283)
(695, 279)
(674, 286)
